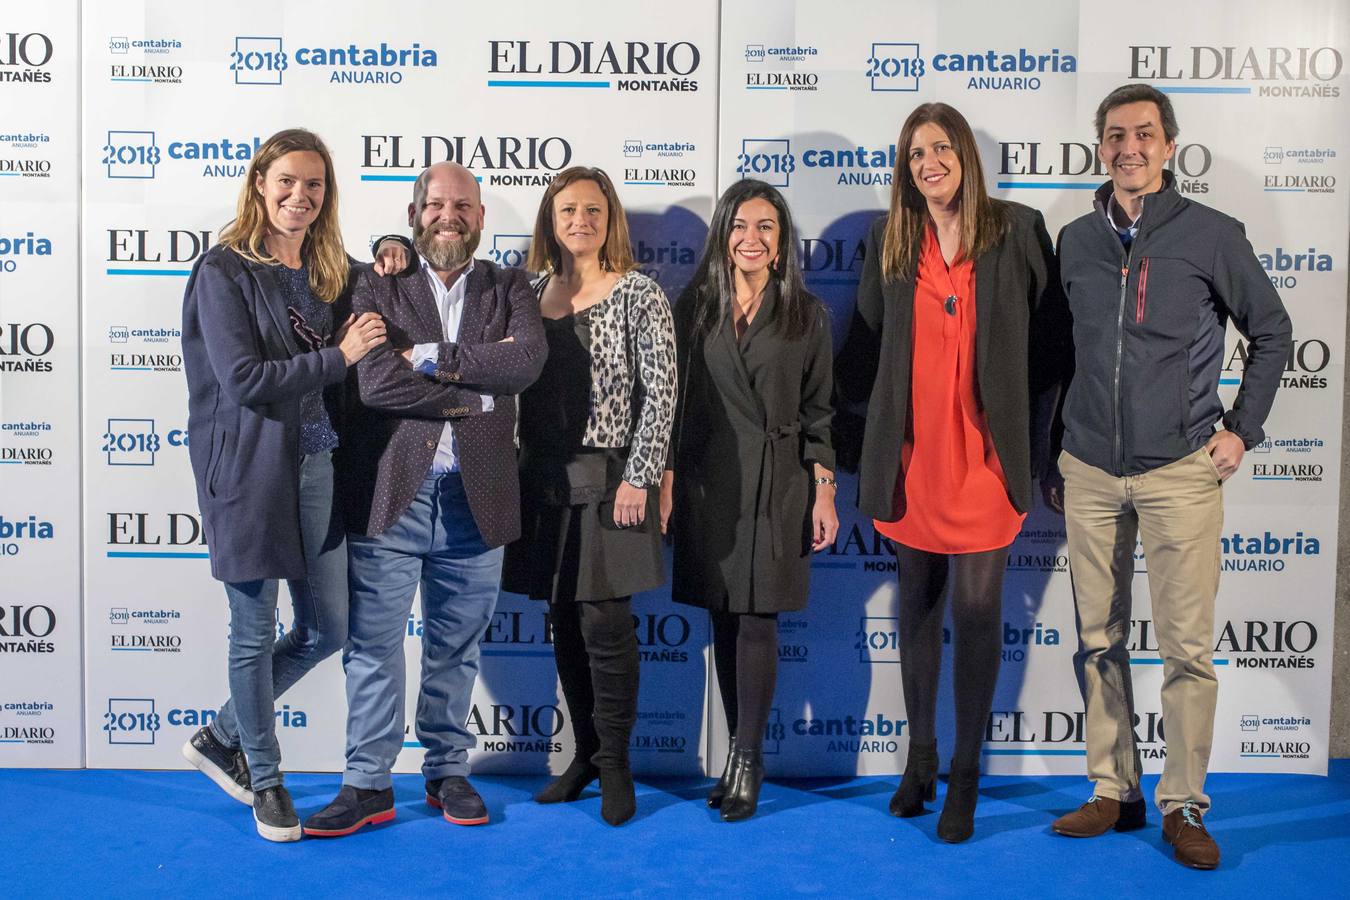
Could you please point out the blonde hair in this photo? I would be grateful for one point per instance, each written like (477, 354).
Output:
(983, 222)
(323, 250)
(616, 255)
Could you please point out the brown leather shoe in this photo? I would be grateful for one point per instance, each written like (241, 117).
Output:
(1098, 816)
(1192, 845)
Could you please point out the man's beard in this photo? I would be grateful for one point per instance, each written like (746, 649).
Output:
(445, 255)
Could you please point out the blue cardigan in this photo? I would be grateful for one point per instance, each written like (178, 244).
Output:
(246, 376)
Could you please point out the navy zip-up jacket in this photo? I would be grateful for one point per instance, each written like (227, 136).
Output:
(1148, 330)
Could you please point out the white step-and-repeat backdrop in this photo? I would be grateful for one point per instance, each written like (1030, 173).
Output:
(112, 633)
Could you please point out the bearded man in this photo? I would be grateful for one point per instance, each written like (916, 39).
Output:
(429, 478)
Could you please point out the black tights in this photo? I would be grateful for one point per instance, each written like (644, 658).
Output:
(597, 653)
(977, 614)
(745, 651)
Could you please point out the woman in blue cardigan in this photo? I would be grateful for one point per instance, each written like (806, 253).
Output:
(266, 346)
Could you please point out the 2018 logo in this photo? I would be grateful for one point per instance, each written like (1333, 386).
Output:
(768, 159)
(258, 60)
(900, 66)
(131, 154)
(135, 721)
(510, 250)
(123, 334)
(130, 442)
(895, 67)
(136, 155)
(265, 61)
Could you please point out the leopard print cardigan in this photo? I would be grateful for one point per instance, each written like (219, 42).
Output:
(632, 375)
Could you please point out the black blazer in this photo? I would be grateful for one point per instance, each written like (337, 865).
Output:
(246, 376)
(394, 430)
(1020, 348)
(752, 418)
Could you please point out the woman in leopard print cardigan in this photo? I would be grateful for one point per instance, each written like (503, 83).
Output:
(593, 436)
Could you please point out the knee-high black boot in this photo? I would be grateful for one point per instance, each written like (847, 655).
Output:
(607, 627)
(574, 673)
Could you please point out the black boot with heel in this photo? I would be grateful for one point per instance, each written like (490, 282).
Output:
(747, 776)
(569, 785)
(919, 784)
(957, 822)
(719, 790)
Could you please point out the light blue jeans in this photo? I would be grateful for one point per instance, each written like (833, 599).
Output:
(436, 545)
(262, 665)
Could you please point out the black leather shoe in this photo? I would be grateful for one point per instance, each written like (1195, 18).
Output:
(275, 815)
(720, 789)
(747, 775)
(226, 766)
(618, 798)
(957, 822)
(351, 810)
(919, 783)
(569, 785)
(457, 800)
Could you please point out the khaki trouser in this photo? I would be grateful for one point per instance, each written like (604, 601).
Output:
(1177, 510)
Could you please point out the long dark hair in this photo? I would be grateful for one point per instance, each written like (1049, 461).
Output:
(713, 286)
(983, 222)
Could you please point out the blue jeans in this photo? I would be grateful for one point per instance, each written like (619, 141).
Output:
(436, 545)
(263, 666)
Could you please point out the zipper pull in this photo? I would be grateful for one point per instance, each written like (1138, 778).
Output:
(1124, 275)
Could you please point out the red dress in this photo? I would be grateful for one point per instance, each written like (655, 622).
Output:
(955, 496)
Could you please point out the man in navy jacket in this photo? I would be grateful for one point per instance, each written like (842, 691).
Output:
(1152, 278)
(429, 473)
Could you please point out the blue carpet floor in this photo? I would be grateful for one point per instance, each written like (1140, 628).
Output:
(102, 833)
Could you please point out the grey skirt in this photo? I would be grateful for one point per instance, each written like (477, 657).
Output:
(569, 548)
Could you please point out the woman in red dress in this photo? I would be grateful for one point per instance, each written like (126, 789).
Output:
(939, 350)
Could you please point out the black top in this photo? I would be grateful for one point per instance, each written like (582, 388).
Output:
(553, 415)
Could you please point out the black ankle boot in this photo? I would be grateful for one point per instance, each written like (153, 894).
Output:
(919, 783)
(569, 785)
(747, 775)
(618, 799)
(719, 790)
(958, 811)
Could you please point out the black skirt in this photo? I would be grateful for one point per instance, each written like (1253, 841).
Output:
(569, 548)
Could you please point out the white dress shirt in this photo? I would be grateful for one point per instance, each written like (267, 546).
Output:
(450, 304)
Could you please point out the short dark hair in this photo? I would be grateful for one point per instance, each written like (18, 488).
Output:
(1138, 93)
